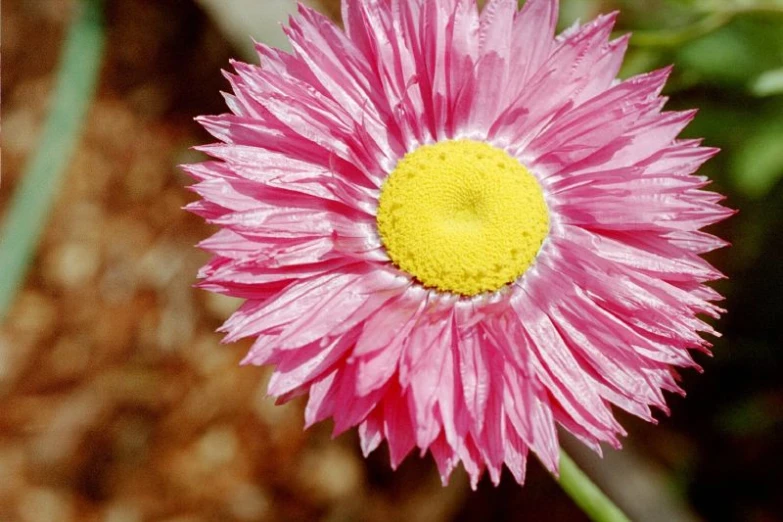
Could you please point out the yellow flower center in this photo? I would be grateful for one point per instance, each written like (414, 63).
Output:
(462, 216)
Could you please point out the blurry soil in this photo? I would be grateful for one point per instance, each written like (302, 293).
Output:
(117, 401)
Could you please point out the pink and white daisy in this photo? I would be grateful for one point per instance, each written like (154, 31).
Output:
(456, 230)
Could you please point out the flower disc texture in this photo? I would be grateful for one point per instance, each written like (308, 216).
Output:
(546, 271)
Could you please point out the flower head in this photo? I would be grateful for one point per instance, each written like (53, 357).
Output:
(456, 231)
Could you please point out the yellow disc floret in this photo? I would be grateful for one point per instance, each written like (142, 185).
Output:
(462, 216)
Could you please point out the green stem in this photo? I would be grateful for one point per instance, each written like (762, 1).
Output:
(677, 37)
(716, 17)
(721, 6)
(29, 209)
(586, 495)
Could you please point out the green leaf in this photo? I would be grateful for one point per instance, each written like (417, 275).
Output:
(758, 166)
(732, 55)
(29, 209)
(768, 83)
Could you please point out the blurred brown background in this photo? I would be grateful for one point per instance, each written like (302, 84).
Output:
(118, 404)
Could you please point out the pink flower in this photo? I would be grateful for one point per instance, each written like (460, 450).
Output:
(456, 231)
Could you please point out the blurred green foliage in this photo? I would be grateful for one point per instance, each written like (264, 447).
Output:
(728, 58)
